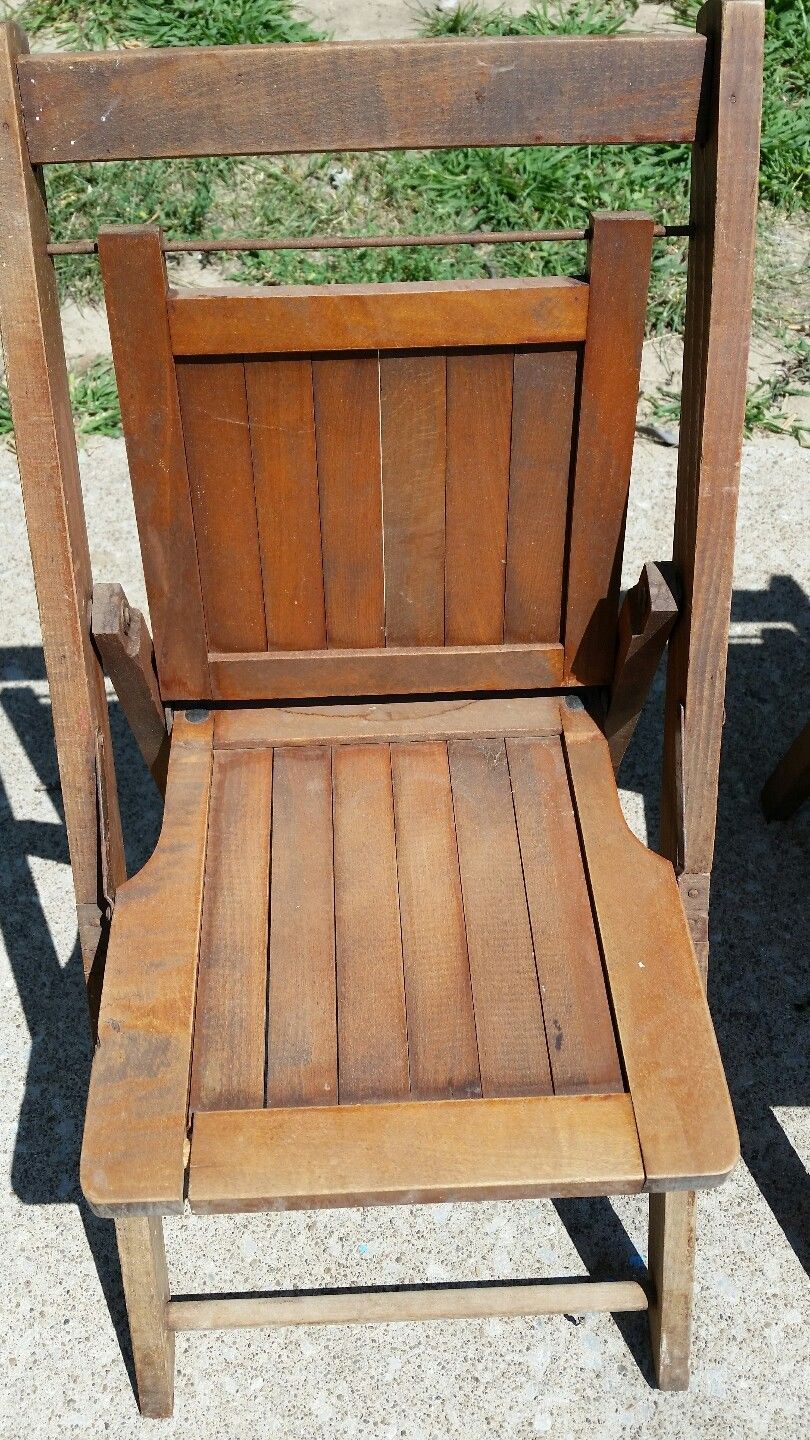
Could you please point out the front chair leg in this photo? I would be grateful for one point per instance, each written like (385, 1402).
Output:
(146, 1290)
(672, 1269)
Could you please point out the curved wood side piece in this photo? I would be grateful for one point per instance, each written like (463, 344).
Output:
(683, 1111)
(135, 1131)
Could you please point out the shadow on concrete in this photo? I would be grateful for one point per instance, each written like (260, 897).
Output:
(759, 983)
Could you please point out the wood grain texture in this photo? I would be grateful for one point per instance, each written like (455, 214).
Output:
(685, 1121)
(442, 1049)
(217, 438)
(718, 323)
(576, 1010)
(422, 1151)
(285, 475)
(619, 266)
(396, 670)
(539, 474)
(347, 426)
(372, 1029)
(145, 1279)
(36, 376)
(672, 1276)
(361, 721)
(134, 276)
(419, 314)
(528, 91)
(142, 1062)
(413, 399)
(479, 418)
(229, 1023)
(512, 1051)
(418, 1302)
(121, 636)
(301, 1002)
(649, 611)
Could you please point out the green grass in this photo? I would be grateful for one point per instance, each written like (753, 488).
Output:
(767, 405)
(93, 399)
(96, 23)
(468, 189)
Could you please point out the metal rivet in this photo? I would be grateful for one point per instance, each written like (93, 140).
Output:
(693, 893)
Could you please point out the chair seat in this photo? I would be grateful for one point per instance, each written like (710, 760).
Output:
(399, 952)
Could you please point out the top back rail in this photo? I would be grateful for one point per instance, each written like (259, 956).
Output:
(276, 99)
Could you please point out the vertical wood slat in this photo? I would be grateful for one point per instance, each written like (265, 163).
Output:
(347, 426)
(229, 1024)
(509, 1016)
(723, 212)
(285, 475)
(220, 471)
(34, 354)
(441, 1025)
(301, 1023)
(412, 433)
(372, 1028)
(134, 276)
(581, 1043)
(479, 413)
(542, 431)
(619, 265)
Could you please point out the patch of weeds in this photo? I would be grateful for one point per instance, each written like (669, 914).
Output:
(766, 405)
(784, 177)
(93, 400)
(93, 24)
(581, 17)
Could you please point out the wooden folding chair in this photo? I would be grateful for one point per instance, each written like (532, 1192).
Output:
(396, 942)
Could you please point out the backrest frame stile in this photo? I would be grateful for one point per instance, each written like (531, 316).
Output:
(626, 89)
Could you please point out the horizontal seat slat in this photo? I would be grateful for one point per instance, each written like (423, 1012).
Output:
(275, 99)
(406, 1153)
(304, 319)
(361, 722)
(395, 670)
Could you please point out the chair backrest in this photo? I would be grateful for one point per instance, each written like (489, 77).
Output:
(380, 489)
(700, 89)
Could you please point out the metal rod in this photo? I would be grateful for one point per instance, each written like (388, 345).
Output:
(359, 242)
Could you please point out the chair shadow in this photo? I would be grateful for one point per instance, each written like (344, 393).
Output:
(759, 982)
(45, 1166)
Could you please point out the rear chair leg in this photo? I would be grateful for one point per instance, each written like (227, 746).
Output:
(672, 1270)
(146, 1290)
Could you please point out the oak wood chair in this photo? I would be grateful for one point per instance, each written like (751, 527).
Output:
(396, 942)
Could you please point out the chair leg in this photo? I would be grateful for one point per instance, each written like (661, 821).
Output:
(672, 1269)
(146, 1290)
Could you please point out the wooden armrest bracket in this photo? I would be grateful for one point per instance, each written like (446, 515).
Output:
(647, 615)
(121, 636)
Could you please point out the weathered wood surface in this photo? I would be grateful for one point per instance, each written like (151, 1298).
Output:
(619, 255)
(146, 1290)
(646, 618)
(419, 315)
(530, 91)
(674, 1072)
(34, 356)
(135, 1128)
(419, 1302)
(121, 636)
(718, 324)
(435, 1150)
(363, 722)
